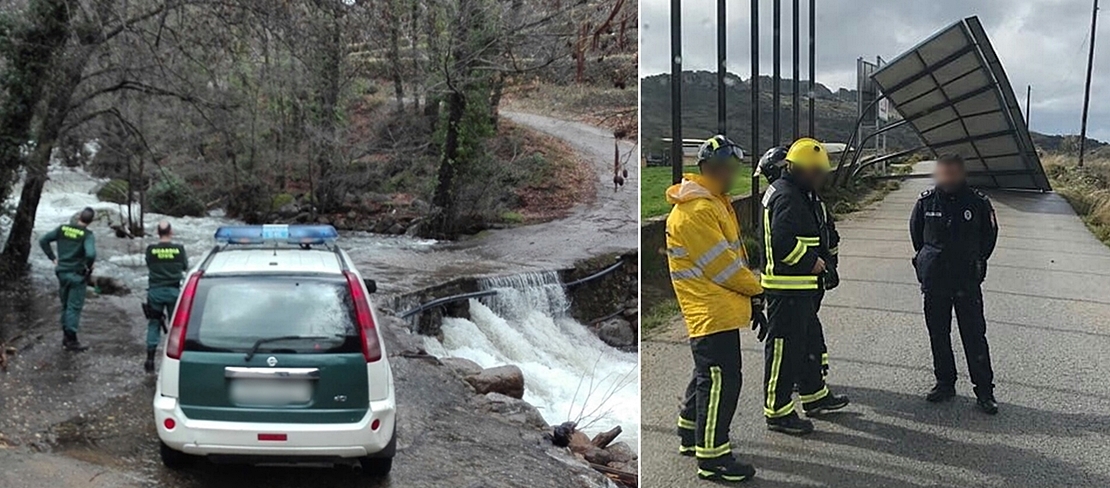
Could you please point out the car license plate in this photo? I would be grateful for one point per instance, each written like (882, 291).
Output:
(270, 392)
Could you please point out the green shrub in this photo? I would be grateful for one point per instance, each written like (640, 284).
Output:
(281, 200)
(114, 191)
(172, 196)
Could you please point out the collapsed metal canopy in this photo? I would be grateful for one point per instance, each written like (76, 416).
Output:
(952, 90)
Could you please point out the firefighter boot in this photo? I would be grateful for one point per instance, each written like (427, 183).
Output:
(791, 424)
(70, 342)
(148, 365)
(726, 469)
(828, 403)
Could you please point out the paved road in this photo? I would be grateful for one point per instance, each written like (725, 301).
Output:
(1048, 314)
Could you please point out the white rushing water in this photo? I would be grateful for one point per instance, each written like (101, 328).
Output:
(569, 374)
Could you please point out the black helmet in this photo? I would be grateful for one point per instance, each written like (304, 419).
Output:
(772, 163)
(720, 149)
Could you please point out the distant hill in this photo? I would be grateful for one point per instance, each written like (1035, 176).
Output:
(836, 113)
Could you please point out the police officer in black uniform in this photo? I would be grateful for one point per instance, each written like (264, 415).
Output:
(954, 231)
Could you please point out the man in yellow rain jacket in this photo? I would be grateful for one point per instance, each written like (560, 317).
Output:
(715, 290)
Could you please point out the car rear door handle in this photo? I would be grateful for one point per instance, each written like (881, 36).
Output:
(272, 373)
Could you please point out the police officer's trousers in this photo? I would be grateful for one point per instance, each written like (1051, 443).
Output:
(161, 300)
(973, 333)
(711, 396)
(71, 291)
(792, 354)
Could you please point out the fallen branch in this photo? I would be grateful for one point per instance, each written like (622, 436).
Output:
(631, 480)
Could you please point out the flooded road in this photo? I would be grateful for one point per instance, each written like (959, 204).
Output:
(75, 414)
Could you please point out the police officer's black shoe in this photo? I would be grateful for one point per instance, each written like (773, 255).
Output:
(148, 365)
(726, 469)
(987, 404)
(940, 393)
(791, 424)
(827, 404)
(70, 342)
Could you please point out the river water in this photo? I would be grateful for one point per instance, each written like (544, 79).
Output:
(569, 373)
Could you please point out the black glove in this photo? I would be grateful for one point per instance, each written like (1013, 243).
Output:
(831, 278)
(759, 319)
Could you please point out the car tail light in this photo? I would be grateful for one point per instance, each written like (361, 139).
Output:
(175, 344)
(375, 424)
(169, 424)
(371, 349)
(272, 437)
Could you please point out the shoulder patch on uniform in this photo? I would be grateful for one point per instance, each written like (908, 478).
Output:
(926, 193)
(767, 194)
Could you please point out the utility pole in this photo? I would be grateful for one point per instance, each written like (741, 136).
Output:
(754, 149)
(776, 75)
(1028, 97)
(721, 109)
(676, 91)
(1087, 89)
(796, 102)
(812, 67)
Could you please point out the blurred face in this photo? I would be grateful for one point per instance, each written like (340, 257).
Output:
(810, 176)
(721, 172)
(949, 175)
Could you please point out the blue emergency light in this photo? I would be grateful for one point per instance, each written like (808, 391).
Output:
(291, 234)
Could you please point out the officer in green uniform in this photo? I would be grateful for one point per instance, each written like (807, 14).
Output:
(73, 263)
(167, 263)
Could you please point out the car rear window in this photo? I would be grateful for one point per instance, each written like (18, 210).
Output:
(232, 313)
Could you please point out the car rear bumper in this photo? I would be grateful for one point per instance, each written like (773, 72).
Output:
(209, 437)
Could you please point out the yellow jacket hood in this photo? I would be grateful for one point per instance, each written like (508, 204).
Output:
(692, 187)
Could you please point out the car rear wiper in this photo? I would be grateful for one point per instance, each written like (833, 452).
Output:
(264, 340)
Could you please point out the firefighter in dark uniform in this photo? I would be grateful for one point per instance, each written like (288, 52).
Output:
(73, 264)
(797, 243)
(954, 231)
(771, 166)
(167, 264)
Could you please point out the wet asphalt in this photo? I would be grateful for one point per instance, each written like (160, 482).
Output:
(1048, 316)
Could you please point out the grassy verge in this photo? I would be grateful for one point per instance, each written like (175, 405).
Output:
(654, 180)
(658, 314)
(1087, 189)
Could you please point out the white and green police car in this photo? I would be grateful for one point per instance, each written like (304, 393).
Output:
(273, 355)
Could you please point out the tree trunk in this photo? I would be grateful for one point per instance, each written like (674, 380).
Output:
(393, 21)
(327, 100)
(17, 250)
(28, 56)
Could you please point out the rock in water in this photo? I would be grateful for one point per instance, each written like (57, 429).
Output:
(464, 367)
(516, 410)
(507, 380)
(621, 452)
(616, 332)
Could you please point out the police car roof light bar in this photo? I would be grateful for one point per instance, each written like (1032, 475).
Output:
(279, 233)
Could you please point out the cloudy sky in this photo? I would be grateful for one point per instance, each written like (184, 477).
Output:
(1041, 43)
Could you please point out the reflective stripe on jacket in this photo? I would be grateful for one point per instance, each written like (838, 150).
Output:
(791, 238)
(707, 259)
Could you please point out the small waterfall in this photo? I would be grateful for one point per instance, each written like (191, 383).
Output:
(569, 374)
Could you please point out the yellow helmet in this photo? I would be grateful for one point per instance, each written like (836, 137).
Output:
(808, 154)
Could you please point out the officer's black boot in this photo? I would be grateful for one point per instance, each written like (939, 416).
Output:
(148, 365)
(986, 402)
(726, 469)
(940, 393)
(827, 404)
(70, 342)
(791, 424)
